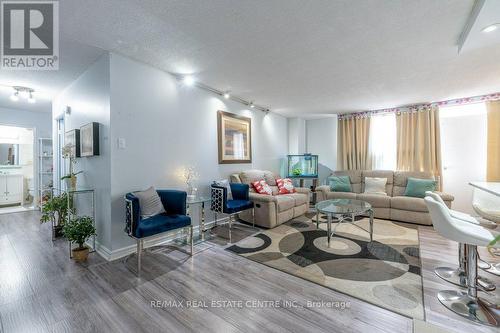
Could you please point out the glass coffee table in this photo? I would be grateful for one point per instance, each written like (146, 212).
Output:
(345, 211)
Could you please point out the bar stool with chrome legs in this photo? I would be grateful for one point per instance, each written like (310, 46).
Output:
(466, 304)
(457, 276)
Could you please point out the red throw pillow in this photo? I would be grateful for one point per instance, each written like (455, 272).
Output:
(262, 187)
(285, 186)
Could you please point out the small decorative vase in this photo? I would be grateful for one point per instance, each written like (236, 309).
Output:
(190, 191)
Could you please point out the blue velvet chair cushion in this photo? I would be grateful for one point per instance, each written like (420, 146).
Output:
(161, 223)
(234, 206)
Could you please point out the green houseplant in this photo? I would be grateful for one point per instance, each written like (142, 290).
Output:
(78, 230)
(55, 210)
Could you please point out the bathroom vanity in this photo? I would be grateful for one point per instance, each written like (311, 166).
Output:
(11, 188)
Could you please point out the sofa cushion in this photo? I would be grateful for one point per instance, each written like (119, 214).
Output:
(250, 176)
(409, 203)
(340, 184)
(376, 200)
(340, 195)
(416, 187)
(401, 179)
(354, 176)
(262, 187)
(300, 198)
(270, 178)
(161, 223)
(375, 185)
(285, 202)
(389, 175)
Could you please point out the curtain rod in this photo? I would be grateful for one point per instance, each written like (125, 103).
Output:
(458, 101)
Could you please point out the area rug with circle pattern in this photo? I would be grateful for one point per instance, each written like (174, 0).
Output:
(385, 272)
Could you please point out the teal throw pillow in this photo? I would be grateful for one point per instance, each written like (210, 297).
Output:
(340, 184)
(417, 187)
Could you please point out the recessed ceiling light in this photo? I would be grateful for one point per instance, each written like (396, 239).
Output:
(491, 27)
(252, 105)
(227, 95)
(188, 80)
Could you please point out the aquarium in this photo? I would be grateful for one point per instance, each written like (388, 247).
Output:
(303, 166)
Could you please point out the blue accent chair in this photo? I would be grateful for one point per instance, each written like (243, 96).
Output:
(240, 202)
(174, 219)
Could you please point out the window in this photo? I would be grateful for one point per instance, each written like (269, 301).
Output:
(382, 142)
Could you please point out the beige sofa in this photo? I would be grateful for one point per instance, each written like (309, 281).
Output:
(394, 206)
(272, 210)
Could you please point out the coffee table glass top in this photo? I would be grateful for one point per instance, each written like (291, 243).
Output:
(343, 206)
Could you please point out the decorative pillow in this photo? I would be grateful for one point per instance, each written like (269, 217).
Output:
(150, 202)
(340, 183)
(285, 186)
(416, 187)
(375, 185)
(225, 183)
(262, 187)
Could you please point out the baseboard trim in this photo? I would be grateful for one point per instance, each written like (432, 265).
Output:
(111, 255)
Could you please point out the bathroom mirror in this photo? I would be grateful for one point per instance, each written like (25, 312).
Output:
(9, 154)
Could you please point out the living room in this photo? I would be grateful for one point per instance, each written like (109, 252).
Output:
(254, 166)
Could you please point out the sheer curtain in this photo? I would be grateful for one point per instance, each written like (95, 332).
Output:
(382, 142)
(352, 143)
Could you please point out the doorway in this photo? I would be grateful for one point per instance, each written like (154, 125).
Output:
(18, 183)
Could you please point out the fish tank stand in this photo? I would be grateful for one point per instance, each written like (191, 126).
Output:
(304, 167)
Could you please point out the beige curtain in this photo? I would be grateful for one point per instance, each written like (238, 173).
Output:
(352, 144)
(493, 159)
(419, 141)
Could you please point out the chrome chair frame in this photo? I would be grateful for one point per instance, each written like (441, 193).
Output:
(140, 241)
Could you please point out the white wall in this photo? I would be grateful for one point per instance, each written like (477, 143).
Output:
(321, 139)
(88, 97)
(167, 126)
(296, 136)
(463, 151)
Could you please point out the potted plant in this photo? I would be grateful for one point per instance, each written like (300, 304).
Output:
(55, 210)
(70, 178)
(78, 230)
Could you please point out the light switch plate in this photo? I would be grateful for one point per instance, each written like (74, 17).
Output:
(121, 143)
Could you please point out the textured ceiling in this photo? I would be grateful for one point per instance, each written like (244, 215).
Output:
(298, 57)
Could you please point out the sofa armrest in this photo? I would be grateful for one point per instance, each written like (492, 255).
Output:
(323, 188)
(303, 190)
(262, 197)
(445, 196)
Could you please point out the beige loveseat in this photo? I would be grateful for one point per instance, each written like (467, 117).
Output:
(394, 206)
(272, 210)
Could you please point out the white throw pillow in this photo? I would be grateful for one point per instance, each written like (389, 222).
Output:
(150, 202)
(375, 185)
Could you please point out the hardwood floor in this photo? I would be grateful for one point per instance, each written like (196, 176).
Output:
(41, 289)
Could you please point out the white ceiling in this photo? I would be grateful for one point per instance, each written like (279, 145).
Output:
(297, 57)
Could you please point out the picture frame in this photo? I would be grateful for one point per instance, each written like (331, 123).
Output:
(89, 139)
(234, 138)
(73, 138)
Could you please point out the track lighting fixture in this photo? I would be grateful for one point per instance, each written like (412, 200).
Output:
(190, 80)
(31, 99)
(24, 92)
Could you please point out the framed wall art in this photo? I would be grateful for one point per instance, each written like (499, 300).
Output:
(73, 138)
(234, 138)
(89, 143)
